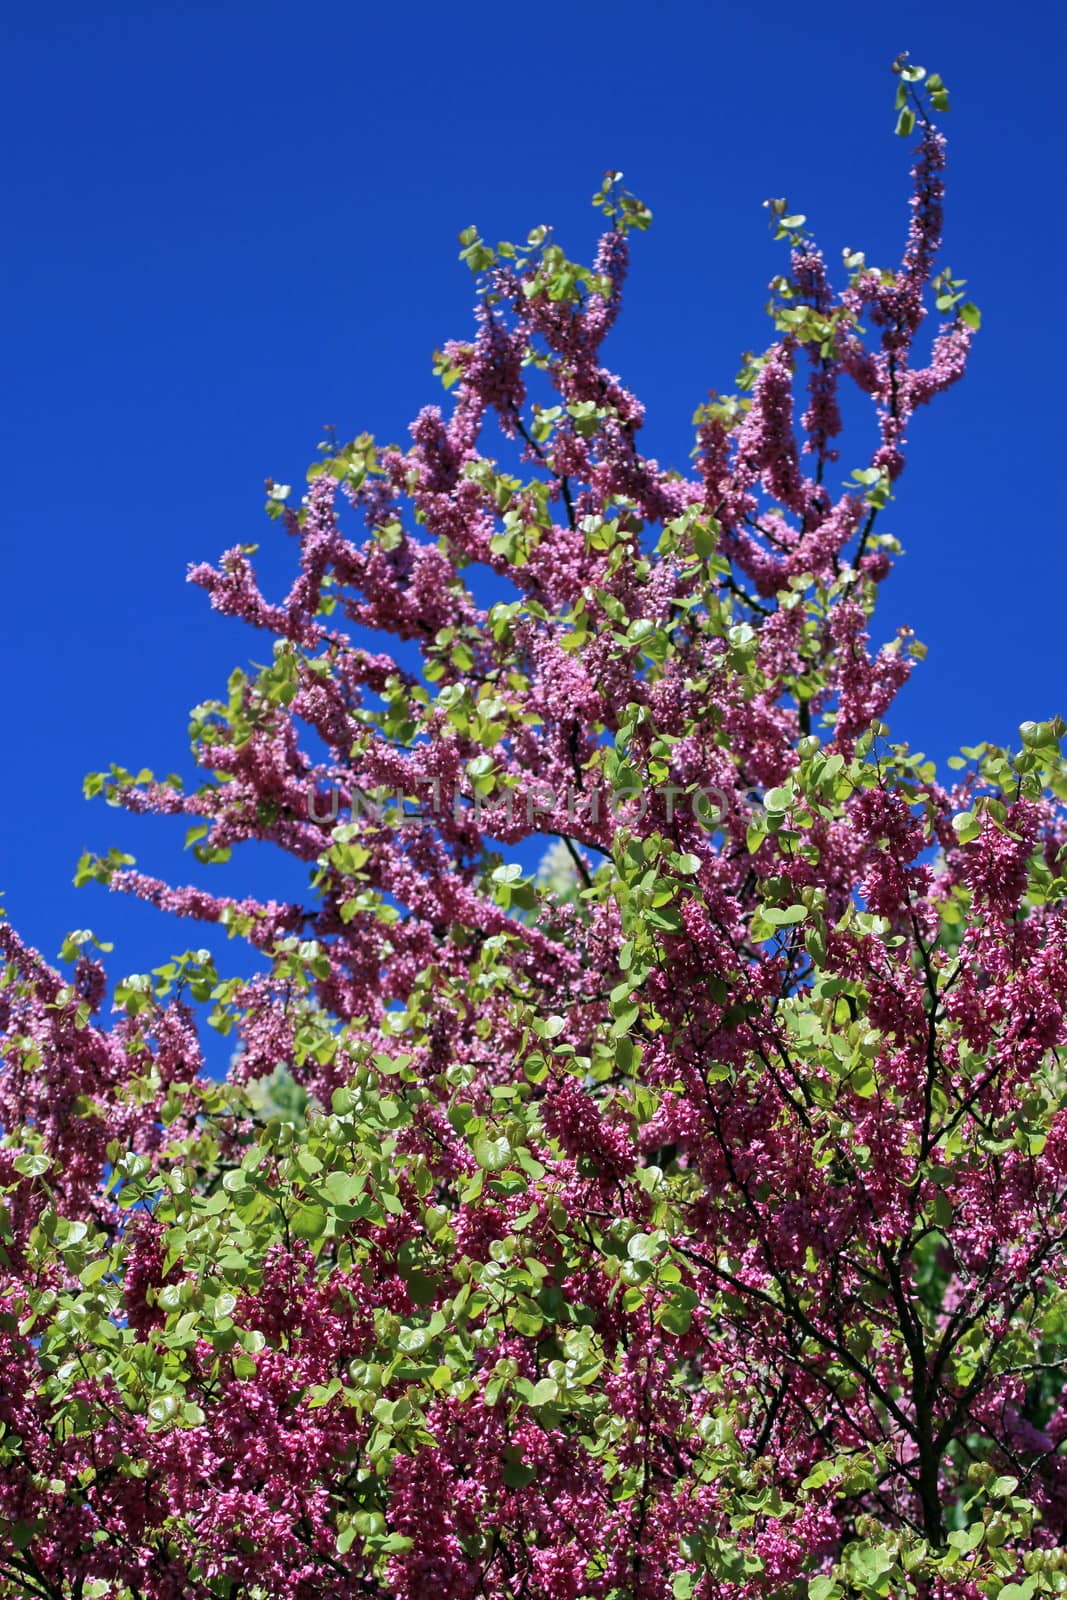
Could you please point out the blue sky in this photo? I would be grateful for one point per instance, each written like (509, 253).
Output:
(233, 224)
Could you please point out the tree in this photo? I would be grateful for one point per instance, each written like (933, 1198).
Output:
(682, 1219)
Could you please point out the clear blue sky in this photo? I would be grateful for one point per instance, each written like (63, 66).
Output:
(234, 223)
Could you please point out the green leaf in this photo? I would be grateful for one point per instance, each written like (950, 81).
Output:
(308, 1222)
(676, 1318)
(343, 1188)
(421, 1286)
(164, 1407)
(32, 1165)
(966, 826)
(492, 1154)
(515, 1471)
(544, 1392)
(822, 1588)
(783, 916)
(862, 1082)
(869, 1563)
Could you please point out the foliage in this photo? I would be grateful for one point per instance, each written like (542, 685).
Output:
(683, 1220)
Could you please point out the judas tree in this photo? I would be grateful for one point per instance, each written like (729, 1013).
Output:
(681, 1219)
